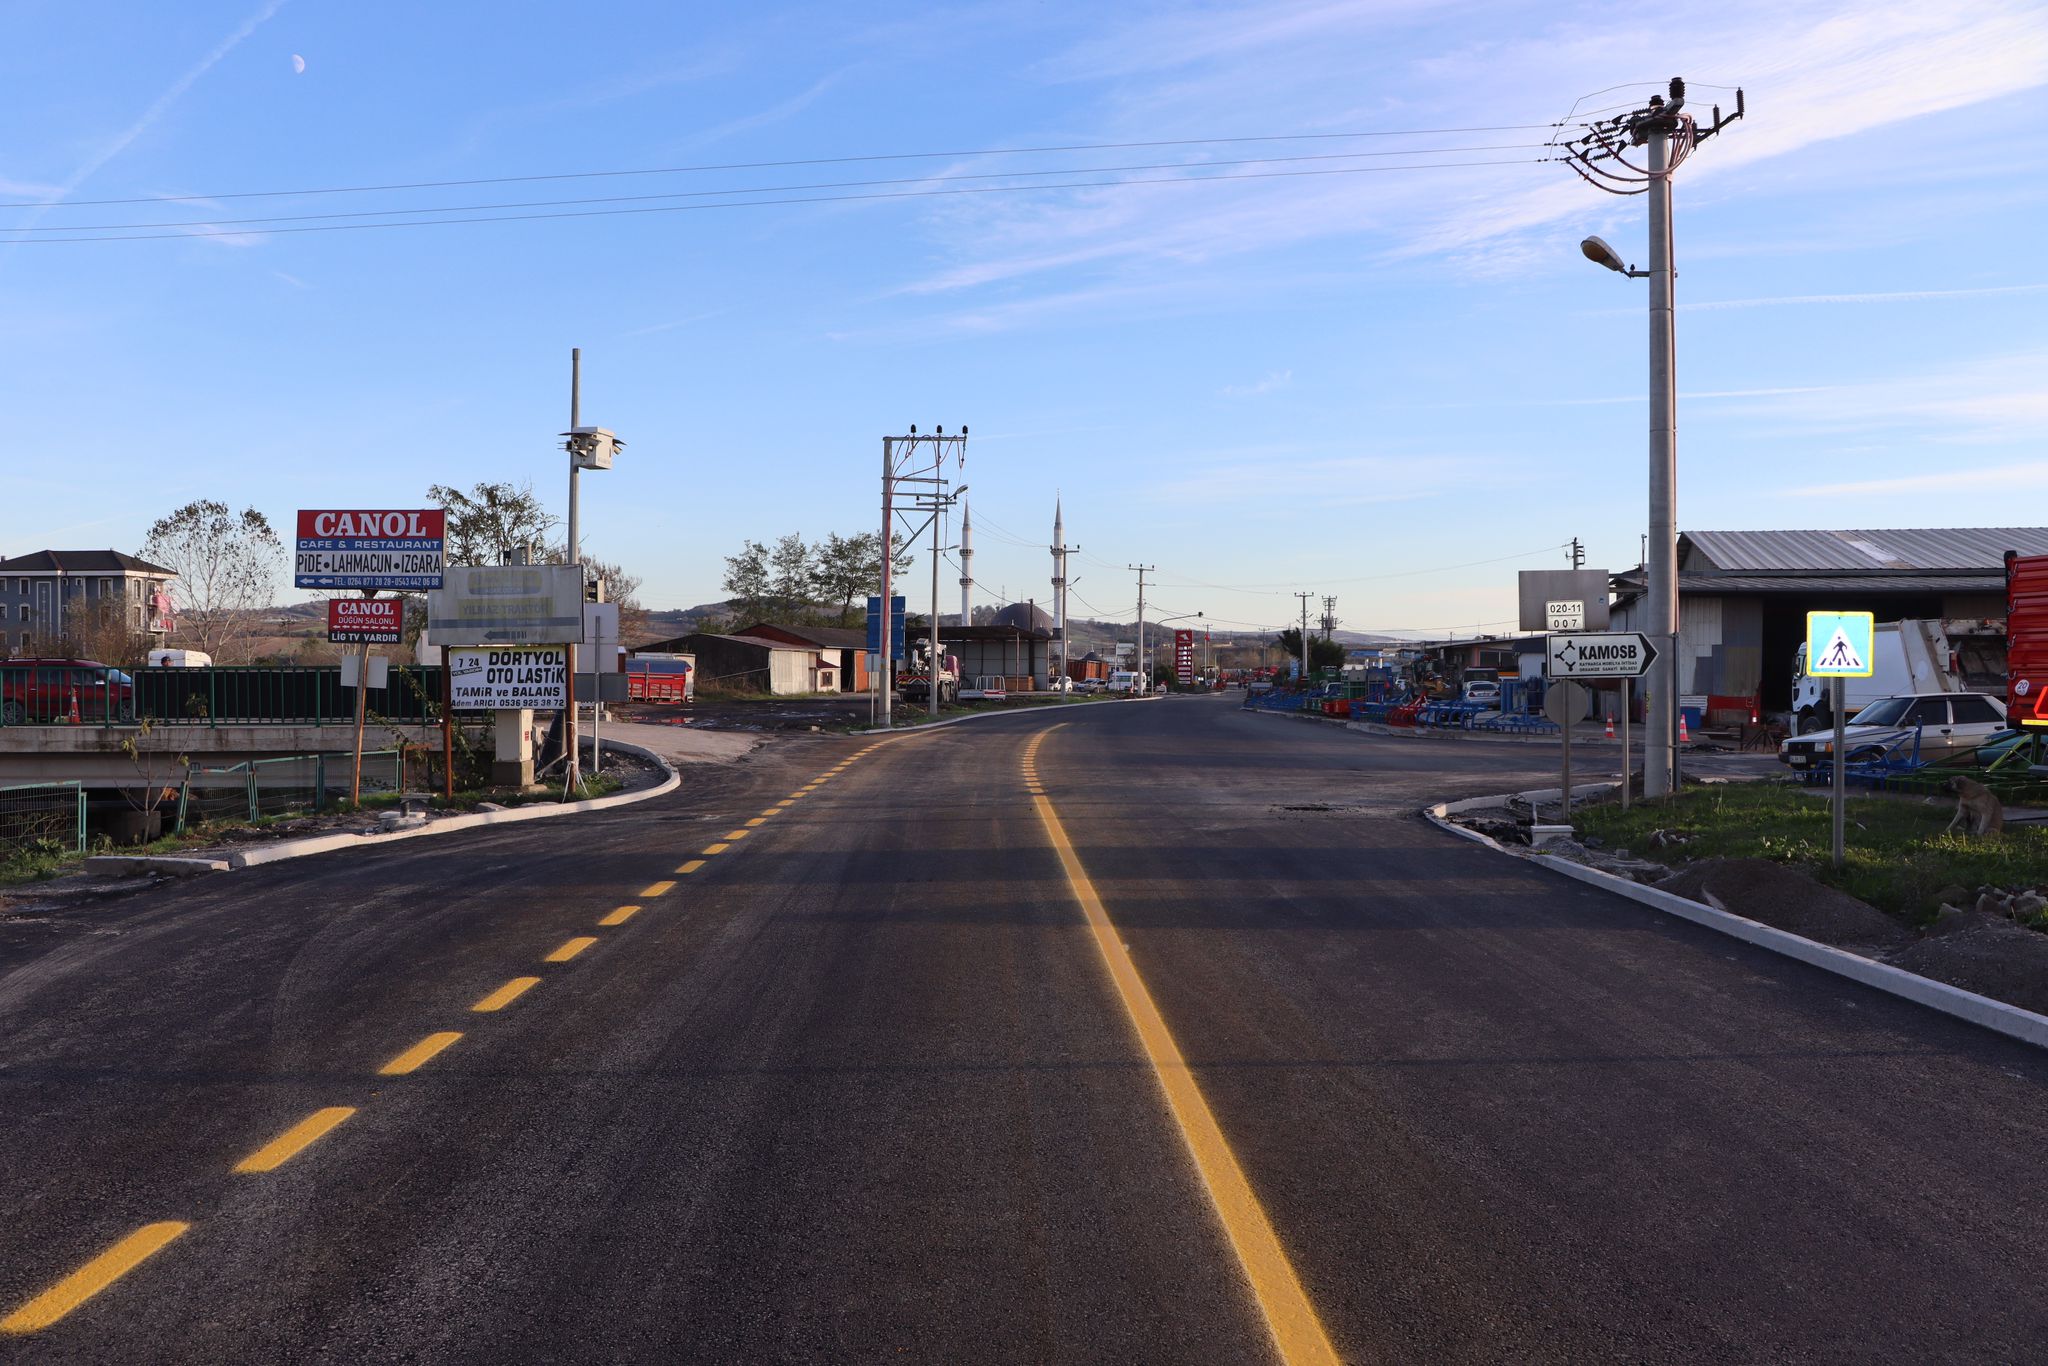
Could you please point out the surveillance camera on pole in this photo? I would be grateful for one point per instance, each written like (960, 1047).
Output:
(591, 448)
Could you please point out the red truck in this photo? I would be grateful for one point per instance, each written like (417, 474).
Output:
(2026, 639)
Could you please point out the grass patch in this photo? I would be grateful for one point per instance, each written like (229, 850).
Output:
(1896, 856)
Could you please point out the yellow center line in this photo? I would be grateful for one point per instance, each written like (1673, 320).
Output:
(735, 834)
(95, 1276)
(569, 948)
(292, 1141)
(1297, 1332)
(711, 849)
(796, 795)
(506, 995)
(655, 889)
(784, 804)
(762, 819)
(419, 1055)
(692, 866)
(620, 916)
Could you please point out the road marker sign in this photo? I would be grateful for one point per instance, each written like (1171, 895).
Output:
(1605, 654)
(1840, 644)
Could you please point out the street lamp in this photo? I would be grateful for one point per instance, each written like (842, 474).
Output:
(590, 448)
(1600, 254)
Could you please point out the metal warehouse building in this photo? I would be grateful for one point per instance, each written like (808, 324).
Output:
(1743, 596)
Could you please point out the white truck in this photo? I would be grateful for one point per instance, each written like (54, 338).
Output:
(915, 682)
(1961, 654)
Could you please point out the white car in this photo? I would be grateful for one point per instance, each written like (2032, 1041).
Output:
(1091, 685)
(1948, 725)
(1483, 690)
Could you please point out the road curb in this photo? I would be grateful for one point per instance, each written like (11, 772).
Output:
(995, 715)
(135, 865)
(1968, 1006)
(322, 844)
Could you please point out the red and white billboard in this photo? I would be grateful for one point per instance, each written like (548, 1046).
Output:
(366, 621)
(370, 548)
(1184, 656)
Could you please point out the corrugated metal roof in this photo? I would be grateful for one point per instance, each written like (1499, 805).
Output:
(1839, 583)
(1898, 549)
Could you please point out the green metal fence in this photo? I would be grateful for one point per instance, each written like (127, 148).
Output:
(287, 695)
(47, 815)
(281, 787)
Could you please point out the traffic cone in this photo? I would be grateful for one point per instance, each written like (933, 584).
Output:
(1683, 738)
(72, 719)
(1610, 727)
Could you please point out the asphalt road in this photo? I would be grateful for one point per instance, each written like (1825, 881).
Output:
(870, 1084)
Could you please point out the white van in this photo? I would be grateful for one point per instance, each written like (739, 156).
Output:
(180, 659)
(1123, 680)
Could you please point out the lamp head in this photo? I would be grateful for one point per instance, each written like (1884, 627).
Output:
(1600, 254)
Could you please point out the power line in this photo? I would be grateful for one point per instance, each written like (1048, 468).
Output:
(807, 199)
(769, 165)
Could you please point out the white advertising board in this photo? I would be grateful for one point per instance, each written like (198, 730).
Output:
(505, 680)
(508, 604)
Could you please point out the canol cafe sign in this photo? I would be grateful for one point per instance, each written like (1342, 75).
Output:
(399, 550)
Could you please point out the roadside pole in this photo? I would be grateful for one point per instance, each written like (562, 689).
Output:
(1842, 775)
(447, 727)
(355, 785)
(1570, 715)
(888, 556)
(575, 557)
(1627, 755)
(597, 700)
(932, 698)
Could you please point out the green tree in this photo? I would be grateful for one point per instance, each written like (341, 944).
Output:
(1322, 654)
(846, 568)
(790, 577)
(746, 579)
(227, 565)
(491, 521)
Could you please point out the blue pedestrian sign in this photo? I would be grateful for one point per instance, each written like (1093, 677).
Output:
(1840, 644)
(896, 615)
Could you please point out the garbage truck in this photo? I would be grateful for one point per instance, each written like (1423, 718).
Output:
(1957, 654)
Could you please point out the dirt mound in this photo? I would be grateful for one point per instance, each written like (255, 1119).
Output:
(1787, 899)
(1989, 955)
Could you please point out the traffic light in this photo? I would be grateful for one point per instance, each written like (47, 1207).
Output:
(593, 589)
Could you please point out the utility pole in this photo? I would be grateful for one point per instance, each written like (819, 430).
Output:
(1329, 618)
(1578, 554)
(1146, 675)
(1304, 636)
(570, 772)
(915, 460)
(1601, 156)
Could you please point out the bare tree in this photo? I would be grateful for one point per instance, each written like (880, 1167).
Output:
(227, 566)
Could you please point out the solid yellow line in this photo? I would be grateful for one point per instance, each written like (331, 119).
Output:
(419, 1055)
(620, 916)
(288, 1144)
(507, 994)
(95, 1276)
(655, 889)
(711, 849)
(569, 948)
(1297, 1332)
(692, 866)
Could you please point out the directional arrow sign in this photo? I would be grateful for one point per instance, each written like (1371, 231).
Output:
(1615, 654)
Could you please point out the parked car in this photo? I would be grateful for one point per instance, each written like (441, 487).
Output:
(1949, 726)
(1483, 690)
(45, 690)
(1123, 680)
(1092, 685)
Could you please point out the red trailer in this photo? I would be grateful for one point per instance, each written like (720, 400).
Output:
(2026, 639)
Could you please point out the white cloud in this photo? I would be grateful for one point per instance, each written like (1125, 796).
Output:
(1889, 297)
(2032, 474)
(1278, 379)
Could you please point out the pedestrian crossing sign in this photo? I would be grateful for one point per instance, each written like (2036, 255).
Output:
(1839, 644)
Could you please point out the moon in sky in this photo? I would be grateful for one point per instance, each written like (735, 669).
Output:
(298, 64)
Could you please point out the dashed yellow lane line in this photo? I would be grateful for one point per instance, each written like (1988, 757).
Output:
(761, 819)
(783, 805)
(620, 916)
(735, 834)
(711, 849)
(91, 1278)
(692, 866)
(506, 995)
(655, 889)
(294, 1140)
(419, 1055)
(1297, 1332)
(569, 948)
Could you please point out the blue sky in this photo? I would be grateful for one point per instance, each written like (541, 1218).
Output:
(1346, 383)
